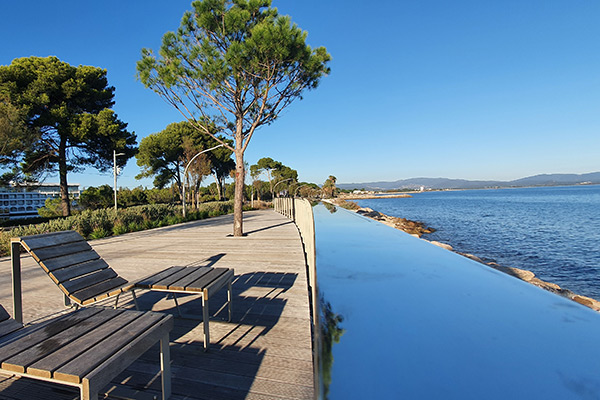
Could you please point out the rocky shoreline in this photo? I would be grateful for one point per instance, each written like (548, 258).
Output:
(418, 229)
(372, 196)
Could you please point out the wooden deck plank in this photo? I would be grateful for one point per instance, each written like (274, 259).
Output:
(264, 353)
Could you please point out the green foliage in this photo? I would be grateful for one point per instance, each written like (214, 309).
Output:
(329, 189)
(131, 197)
(119, 228)
(236, 64)
(69, 121)
(161, 196)
(279, 176)
(99, 233)
(94, 198)
(95, 224)
(165, 154)
(13, 131)
(52, 208)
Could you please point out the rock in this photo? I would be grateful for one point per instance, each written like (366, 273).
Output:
(516, 272)
(552, 287)
(442, 245)
(472, 257)
(588, 302)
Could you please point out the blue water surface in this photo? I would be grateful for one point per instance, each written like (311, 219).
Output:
(415, 321)
(552, 231)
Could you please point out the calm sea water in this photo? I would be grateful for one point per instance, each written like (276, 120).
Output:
(552, 231)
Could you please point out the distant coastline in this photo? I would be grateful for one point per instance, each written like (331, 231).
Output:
(423, 184)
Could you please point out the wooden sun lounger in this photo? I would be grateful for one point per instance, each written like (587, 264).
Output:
(85, 278)
(86, 348)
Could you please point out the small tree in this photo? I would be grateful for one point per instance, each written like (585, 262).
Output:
(164, 155)
(238, 64)
(69, 122)
(266, 166)
(329, 189)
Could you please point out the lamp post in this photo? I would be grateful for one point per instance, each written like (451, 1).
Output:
(115, 154)
(298, 188)
(185, 174)
(288, 179)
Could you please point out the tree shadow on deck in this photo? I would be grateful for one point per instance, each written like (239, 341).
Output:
(234, 362)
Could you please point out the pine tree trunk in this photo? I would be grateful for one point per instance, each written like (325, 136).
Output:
(62, 173)
(238, 200)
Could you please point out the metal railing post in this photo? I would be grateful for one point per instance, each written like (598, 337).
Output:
(15, 255)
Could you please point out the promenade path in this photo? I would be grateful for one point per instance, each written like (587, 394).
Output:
(264, 353)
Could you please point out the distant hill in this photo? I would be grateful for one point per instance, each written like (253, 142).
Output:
(445, 183)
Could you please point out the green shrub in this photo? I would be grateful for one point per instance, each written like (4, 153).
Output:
(134, 227)
(99, 233)
(119, 228)
(95, 224)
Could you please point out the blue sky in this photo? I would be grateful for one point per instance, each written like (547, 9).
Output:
(458, 89)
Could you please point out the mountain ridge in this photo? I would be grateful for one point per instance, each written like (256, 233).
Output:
(447, 183)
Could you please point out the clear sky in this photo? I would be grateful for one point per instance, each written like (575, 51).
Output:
(429, 88)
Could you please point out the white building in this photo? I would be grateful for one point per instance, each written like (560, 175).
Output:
(24, 201)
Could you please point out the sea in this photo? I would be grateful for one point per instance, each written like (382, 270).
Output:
(552, 231)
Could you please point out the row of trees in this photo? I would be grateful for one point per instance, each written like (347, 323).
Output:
(230, 68)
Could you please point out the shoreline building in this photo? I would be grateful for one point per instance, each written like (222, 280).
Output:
(25, 201)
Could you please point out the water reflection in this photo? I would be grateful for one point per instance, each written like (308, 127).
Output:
(330, 207)
(331, 333)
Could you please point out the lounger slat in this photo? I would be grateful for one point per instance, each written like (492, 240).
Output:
(9, 326)
(106, 346)
(97, 291)
(21, 361)
(85, 281)
(64, 274)
(103, 327)
(48, 239)
(125, 356)
(183, 283)
(166, 282)
(4, 315)
(149, 280)
(57, 251)
(219, 282)
(68, 260)
(199, 284)
(66, 322)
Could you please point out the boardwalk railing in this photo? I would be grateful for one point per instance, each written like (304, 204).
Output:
(300, 211)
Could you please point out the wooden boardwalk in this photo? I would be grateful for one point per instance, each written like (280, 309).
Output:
(264, 353)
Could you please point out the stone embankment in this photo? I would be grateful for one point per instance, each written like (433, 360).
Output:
(374, 196)
(418, 229)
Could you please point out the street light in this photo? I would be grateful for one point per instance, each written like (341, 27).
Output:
(115, 154)
(185, 174)
(288, 179)
(298, 188)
